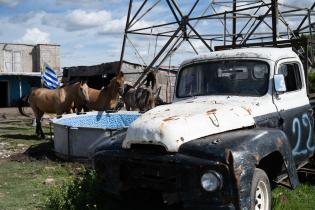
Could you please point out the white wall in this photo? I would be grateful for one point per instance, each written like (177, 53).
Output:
(26, 60)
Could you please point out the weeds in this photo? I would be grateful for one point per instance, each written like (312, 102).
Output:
(81, 192)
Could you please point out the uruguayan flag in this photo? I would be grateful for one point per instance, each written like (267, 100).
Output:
(50, 78)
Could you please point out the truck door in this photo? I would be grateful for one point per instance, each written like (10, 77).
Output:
(295, 110)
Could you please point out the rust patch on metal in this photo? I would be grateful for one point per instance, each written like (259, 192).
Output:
(162, 125)
(228, 156)
(211, 111)
(235, 179)
(279, 142)
(239, 170)
(215, 102)
(247, 110)
(257, 157)
(171, 118)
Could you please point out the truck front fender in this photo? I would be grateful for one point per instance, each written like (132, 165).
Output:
(243, 150)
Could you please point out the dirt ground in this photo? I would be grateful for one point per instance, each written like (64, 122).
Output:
(8, 116)
(12, 113)
(10, 122)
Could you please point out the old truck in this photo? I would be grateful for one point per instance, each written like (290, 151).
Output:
(241, 121)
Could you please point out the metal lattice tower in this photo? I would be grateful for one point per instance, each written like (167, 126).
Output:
(226, 23)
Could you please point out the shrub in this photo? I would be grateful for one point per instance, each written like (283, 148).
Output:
(79, 192)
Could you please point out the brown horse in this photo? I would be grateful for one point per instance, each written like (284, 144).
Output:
(57, 101)
(142, 98)
(107, 98)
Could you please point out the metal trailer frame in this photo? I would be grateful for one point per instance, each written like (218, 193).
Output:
(244, 37)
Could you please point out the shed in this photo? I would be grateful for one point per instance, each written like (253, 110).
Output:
(98, 76)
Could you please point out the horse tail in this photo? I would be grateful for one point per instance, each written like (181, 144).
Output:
(22, 103)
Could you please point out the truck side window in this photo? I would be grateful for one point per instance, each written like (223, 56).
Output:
(291, 75)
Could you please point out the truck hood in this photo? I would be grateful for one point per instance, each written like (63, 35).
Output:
(178, 123)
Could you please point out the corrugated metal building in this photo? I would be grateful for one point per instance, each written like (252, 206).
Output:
(98, 76)
(20, 66)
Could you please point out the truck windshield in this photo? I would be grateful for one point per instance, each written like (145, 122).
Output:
(246, 78)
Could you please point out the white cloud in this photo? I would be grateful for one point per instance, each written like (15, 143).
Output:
(301, 3)
(30, 18)
(34, 36)
(85, 3)
(79, 19)
(78, 46)
(11, 3)
(113, 26)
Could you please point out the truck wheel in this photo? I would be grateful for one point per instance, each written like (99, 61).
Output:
(260, 191)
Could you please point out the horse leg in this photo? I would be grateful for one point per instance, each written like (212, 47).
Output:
(36, 114)
(37, 127)
(59, 114)
(127, 107)
(79, 109)
(39, 130)
(86, 108)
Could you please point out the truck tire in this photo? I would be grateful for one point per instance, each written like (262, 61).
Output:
(260, 191)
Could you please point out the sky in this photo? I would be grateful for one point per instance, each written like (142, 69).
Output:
(91, 31)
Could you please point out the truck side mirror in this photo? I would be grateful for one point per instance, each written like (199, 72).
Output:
(279, 81)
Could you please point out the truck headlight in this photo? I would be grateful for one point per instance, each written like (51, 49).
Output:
(211, 181)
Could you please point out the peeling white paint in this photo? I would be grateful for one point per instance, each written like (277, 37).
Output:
(178, 123)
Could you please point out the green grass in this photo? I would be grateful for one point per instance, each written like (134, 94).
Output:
(22, 176)
(21, 133)
(23, 183)
(302, 198)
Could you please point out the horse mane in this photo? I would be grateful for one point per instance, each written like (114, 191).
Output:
(110, 77)
(127, 87)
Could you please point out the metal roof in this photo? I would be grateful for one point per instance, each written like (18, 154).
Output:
(30, 74)
(26, 44)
